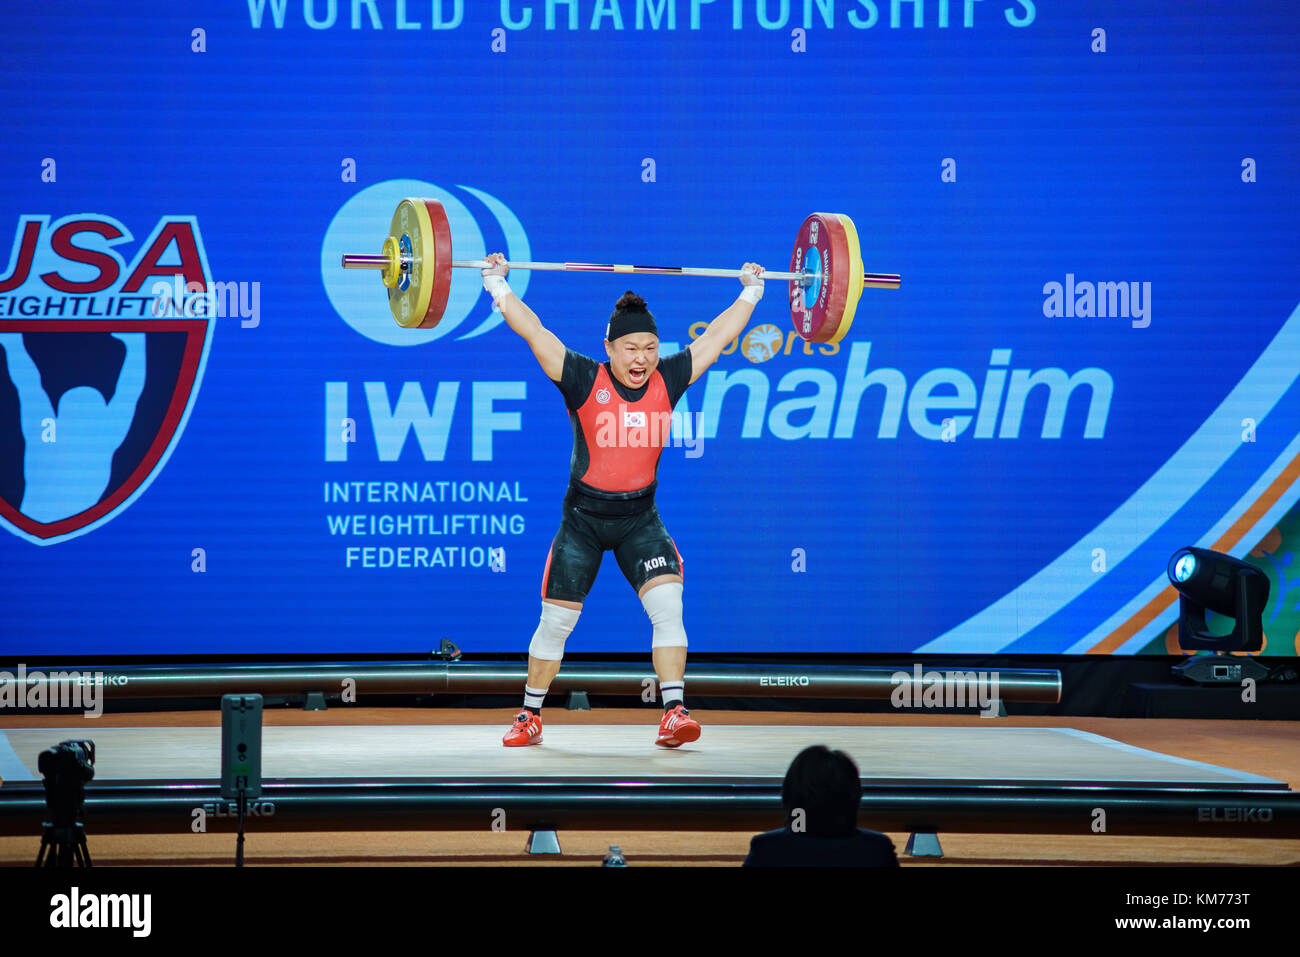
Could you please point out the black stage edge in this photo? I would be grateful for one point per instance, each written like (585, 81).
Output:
(1169, 699)
(762, 911)
(632, 804)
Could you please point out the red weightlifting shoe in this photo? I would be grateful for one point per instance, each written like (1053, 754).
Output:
(677, 728)
(527, 729)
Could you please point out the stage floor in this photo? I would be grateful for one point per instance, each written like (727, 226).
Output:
(909, 755)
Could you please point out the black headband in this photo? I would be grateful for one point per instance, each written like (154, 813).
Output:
(624, 322)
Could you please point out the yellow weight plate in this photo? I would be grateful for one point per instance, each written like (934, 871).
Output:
(412, 231)
(856, 272)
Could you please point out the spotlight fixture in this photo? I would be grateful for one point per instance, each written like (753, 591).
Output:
(1212, 581)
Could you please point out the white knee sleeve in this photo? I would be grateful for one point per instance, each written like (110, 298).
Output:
(548, 641)
(663, 604)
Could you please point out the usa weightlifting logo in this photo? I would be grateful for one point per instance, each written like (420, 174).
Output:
(352, 293)
(96, 382)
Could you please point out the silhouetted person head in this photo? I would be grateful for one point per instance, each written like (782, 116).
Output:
(824, 784)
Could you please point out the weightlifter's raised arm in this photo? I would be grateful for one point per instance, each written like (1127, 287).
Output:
(728, 324)
(546, 346)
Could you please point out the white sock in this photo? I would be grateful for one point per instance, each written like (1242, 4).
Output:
(534, 697)
(673, 692)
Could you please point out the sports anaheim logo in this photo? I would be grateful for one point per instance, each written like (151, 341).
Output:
(98, 372)
(766, 341)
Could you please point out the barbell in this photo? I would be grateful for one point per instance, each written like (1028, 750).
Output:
(826, 274)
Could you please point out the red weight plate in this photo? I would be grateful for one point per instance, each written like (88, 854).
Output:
(441, 271)
(821, 246)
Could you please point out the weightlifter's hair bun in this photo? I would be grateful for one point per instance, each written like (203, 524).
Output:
(629, 316)
(631, 302)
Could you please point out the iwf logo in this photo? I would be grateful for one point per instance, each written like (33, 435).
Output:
(96, 382)
(360, 227)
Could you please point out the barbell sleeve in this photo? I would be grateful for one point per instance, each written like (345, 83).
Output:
(359, 261)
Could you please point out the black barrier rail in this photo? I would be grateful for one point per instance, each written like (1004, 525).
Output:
(465, 677)
(649, 805)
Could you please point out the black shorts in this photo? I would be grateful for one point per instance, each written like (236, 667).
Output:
(639, 541)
